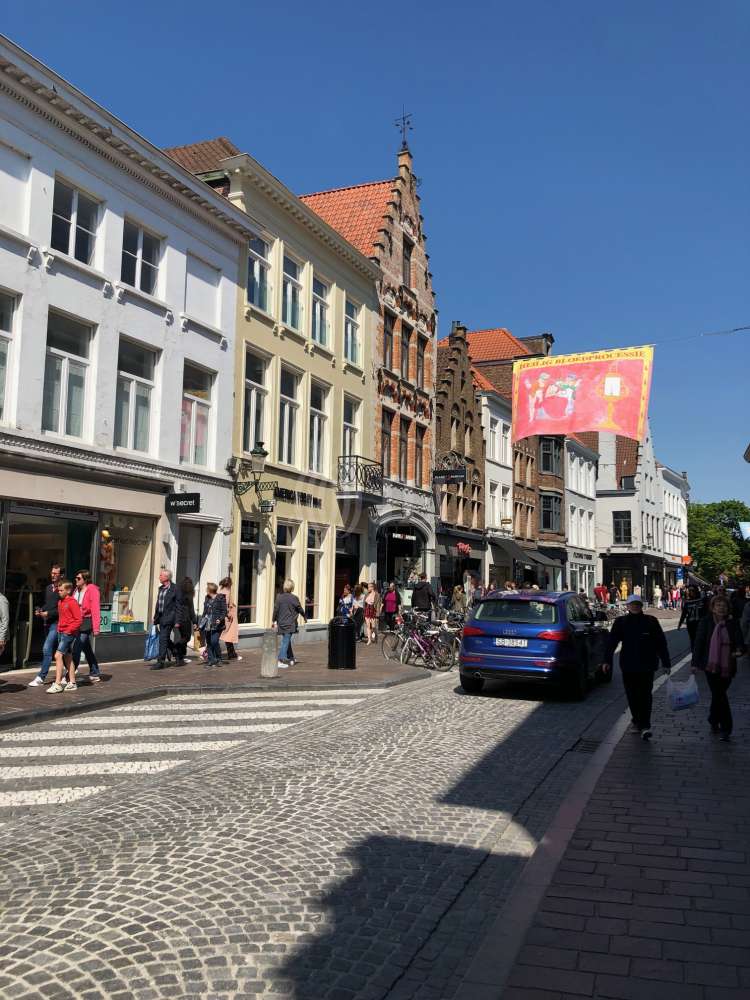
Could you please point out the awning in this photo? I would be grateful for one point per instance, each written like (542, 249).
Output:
(544, 560)
(512, 550)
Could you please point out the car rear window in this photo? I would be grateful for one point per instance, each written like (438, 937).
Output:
(523, 612)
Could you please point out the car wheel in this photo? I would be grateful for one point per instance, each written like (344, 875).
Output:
(579, 683)
(472, 685)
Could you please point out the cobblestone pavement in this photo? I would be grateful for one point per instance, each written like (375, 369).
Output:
(652, 898)
(358, 855)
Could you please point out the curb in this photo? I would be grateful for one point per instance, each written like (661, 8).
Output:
(490, 969)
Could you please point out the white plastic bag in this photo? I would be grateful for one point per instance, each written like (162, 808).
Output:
(682, 694)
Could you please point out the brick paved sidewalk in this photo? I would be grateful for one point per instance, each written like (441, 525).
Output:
(652, 896)
(133, 680)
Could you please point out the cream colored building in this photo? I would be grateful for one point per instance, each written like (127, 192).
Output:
(304, 387)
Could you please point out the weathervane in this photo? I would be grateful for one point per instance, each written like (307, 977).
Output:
(405, 126)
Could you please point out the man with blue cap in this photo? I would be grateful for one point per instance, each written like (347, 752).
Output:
(644, 645)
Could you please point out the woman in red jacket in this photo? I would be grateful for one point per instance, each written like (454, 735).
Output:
(89, 601)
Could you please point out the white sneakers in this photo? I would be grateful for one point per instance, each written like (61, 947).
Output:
(282, 666)
(37, 682)
(64, 686)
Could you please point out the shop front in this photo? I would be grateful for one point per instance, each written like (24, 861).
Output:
(401, 554)
(462, 554)
(582, 571)
(508, 561)
(633, 570)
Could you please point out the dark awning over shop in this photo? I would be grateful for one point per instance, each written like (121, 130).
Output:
(544, 560)
(513, 550)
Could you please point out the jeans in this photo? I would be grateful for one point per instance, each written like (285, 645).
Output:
(285, 650)
(212, 641)
(720, 714)
(639, 687)
(49, 649)
(83, 645)
(165, 640)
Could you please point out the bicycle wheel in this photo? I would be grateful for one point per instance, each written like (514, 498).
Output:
(391, 645)
(442, 657)
(411, 654)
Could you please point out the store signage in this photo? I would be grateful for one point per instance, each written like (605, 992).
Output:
(183, 503)
(294, 496)
(447, 476)
(267, 506)
(403, 537)
(582, 555)
(463, 548)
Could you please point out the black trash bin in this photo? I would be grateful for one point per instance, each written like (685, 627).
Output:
(342, 644)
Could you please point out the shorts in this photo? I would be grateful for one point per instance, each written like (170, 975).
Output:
(370, 611)
(65, 642)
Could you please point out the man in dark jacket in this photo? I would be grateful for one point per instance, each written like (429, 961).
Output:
(48, 614)
(644, 645)
(286, 610)
(165, 616)
(423, 596)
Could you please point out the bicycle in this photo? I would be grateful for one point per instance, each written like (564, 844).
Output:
(393, 641)
(434, 647)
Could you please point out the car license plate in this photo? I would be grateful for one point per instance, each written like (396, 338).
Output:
(511, 642)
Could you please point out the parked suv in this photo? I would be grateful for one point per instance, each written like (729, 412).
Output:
(533, 635)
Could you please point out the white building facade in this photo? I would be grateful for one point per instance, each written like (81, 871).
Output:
(676, 495)
(580, 513)
(118, 288)
(498, 481)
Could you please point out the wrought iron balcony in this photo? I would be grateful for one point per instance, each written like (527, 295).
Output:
(359, 478)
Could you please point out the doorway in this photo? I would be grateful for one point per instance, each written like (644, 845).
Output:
(193, 552)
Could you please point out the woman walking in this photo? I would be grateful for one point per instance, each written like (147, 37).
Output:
(231, 634)
(458, 603)
(391, 604)
(346, 601)
(185, 620)
(88, 597)
(718, 644)
(372, 602)
(286, 611)
(358, 611)
(212, 622)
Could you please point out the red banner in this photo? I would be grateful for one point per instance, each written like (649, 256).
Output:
(599, 391)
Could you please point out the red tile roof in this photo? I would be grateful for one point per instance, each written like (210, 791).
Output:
(626, 460)
(356, 212)
(203, 157)
(480, 382)
(497, 344)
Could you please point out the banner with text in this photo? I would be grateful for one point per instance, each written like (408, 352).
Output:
(597, 391)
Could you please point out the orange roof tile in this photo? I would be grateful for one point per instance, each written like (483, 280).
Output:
(481, 382)
(356, 212)
(626, 459)
(203, 157)
(497, 344)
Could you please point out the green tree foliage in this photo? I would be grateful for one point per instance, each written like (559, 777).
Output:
(715, 541)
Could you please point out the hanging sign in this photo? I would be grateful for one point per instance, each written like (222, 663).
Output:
(447, 476)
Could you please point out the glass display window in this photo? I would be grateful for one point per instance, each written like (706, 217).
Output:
(124, 571)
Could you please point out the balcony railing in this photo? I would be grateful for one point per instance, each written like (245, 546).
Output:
(359, 476)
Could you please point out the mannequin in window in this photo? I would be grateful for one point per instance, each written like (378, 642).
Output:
(107, 565)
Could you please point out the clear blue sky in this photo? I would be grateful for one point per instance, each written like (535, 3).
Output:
(585, 165)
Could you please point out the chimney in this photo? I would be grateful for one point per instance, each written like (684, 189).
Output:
(458, 330)
(405, 162)
(540, 343)
(607, 475)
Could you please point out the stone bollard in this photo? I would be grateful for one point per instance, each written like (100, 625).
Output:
(269, 658)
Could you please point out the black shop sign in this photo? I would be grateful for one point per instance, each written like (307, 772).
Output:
(183, 503)
(446, 477)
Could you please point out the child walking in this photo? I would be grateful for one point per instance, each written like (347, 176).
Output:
(68, 629)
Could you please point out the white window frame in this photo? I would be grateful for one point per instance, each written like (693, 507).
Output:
(258, 395)
(320, 327)
(6, 338)
(253, 547)
(493, 439)
(291, 549)
(288, 420)
(506, 500)
(350, 432)
(351, 333)
(260, 267)
(197, 402)
(505, 455)
(73, 222)
(318, 425)
(492, 505)
(137, 283)
(149, 384)
(67, 357)
(290, 287)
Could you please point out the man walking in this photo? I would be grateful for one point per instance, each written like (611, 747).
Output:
(48, 614)
(165, 615)
(423, 596)
(643, 646)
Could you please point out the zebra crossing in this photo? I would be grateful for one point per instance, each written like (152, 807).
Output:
(46, 766)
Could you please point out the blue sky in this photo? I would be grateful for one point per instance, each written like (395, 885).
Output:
(584, 165)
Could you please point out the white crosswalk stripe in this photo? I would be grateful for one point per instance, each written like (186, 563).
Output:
(62, 761)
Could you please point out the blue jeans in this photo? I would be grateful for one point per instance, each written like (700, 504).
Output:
(83, 645)
(48, 650)
(212, 641)
(285, 650)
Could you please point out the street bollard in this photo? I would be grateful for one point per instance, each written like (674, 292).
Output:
(269, 660)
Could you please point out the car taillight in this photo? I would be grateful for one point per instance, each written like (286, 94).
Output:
(554, 634)
(473, 630)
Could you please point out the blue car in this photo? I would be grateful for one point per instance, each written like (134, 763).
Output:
(533, 635)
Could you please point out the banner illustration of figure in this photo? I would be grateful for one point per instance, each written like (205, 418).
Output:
(597, 391)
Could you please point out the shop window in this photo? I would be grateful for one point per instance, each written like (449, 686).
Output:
(255, 401)
(141, 252)
(419, 458)
(124, 572)
(74, 222)
(403, 449)
(247, 585)
(258, 270)
(351, 333)
(196, 411)
(318, 422)
(386, 430)
(7, 310)
(65, 370)
(313, 574)
(350, 437)
(388, 322)
(550, 520)
(622, 527)
(291, 293)
(405, 345)
(135, 380)
(320, 312)
(286, 536)
(288, 406)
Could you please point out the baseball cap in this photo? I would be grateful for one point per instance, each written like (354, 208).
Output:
(634, 599)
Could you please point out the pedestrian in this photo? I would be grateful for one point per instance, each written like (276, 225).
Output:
(476, 590)
(89, 601)
(391, 605)
(718, 644)
(286, 611)
(694, 608)
(601, 593)
(4, 622)
(358, 611)
(510, 586)
(657, 596)
(212, 623)
(69, 618)
(644, 645)
(165, 616)
(231, 634)
(346, 601)
(423, 596)
(613, 594)
(185, 620)
(48, 614)
(458, 602)
(371, 612)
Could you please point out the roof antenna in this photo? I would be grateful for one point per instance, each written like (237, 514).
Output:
(405, 126)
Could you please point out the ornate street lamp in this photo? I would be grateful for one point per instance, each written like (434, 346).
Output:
(258, 458)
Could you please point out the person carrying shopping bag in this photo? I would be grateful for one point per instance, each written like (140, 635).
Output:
(718, 645)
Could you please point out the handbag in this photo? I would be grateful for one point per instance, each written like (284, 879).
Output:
(203, 622)
(87, 625)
